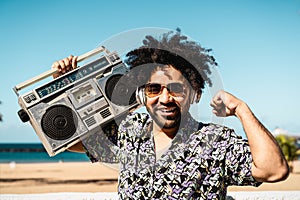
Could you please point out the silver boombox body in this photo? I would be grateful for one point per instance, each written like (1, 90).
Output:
(78, 103)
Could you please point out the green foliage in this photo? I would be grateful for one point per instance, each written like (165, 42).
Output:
(288, 146)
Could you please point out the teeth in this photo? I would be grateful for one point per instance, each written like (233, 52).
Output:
(168, 110)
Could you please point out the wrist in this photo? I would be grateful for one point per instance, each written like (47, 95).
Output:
(242, 110)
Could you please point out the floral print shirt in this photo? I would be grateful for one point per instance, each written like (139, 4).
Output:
(201, 162)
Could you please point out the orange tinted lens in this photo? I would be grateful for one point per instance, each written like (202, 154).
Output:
(152, 89)
(155, 89)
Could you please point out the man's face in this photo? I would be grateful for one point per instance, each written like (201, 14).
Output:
(167, 97)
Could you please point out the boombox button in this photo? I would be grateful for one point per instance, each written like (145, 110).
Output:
(27, 99)
(32, 97)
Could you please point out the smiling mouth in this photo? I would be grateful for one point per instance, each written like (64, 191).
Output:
(168, 111)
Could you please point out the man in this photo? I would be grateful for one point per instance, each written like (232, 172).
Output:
(166, 153)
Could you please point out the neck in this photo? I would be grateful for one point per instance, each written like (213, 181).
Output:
(170, 132)
(162, 138)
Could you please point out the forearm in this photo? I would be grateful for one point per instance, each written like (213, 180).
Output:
(269, 163)
(78, 148)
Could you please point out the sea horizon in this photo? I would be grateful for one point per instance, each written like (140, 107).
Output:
(35, 153)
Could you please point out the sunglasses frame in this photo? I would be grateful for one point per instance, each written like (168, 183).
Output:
(162, 86)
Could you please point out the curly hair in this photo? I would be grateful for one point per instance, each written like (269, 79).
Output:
(188, 57)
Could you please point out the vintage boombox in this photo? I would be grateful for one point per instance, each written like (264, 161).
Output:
(78, 103)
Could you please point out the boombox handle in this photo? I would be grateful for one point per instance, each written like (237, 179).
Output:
(53, 71)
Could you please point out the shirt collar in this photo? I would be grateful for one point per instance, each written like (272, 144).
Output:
(188, 127)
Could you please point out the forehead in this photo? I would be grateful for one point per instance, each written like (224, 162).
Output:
(166, 74)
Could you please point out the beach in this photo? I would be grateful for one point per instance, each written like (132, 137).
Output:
(32, 178)
(85, 177)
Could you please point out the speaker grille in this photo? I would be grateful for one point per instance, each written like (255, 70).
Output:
(119, 91)
(90, 121)
(105, 113)
(59, 122)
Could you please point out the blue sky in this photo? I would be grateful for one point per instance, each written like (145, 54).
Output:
(256, 43)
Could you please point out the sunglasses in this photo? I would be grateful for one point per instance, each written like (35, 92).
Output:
(155, 89)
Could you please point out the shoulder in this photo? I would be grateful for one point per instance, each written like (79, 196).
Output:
(136, 118)
(218, 131)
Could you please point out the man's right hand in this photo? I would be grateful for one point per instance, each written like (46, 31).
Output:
(65, 65)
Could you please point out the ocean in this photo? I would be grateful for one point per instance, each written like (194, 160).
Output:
(35, 153)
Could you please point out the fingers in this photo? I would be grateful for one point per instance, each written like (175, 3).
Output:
(218, 104)
(65, 65)
(74, 61)
(225, 104)
(219, 108)
(56, 66)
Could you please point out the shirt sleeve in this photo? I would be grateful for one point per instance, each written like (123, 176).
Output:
(106, 144)
(102, 145)
(238, 161)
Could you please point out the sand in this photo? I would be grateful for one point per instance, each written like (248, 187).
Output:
(57, 177)
(36, 178)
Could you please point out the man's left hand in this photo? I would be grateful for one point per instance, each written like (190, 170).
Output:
(225, 104)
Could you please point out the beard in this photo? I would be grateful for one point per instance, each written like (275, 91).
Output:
(167, 116)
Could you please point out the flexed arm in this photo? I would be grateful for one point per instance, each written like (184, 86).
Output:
(269, 164)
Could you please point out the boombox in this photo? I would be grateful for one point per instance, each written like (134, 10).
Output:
(79, 103)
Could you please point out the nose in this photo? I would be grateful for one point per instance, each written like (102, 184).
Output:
(165, 96)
